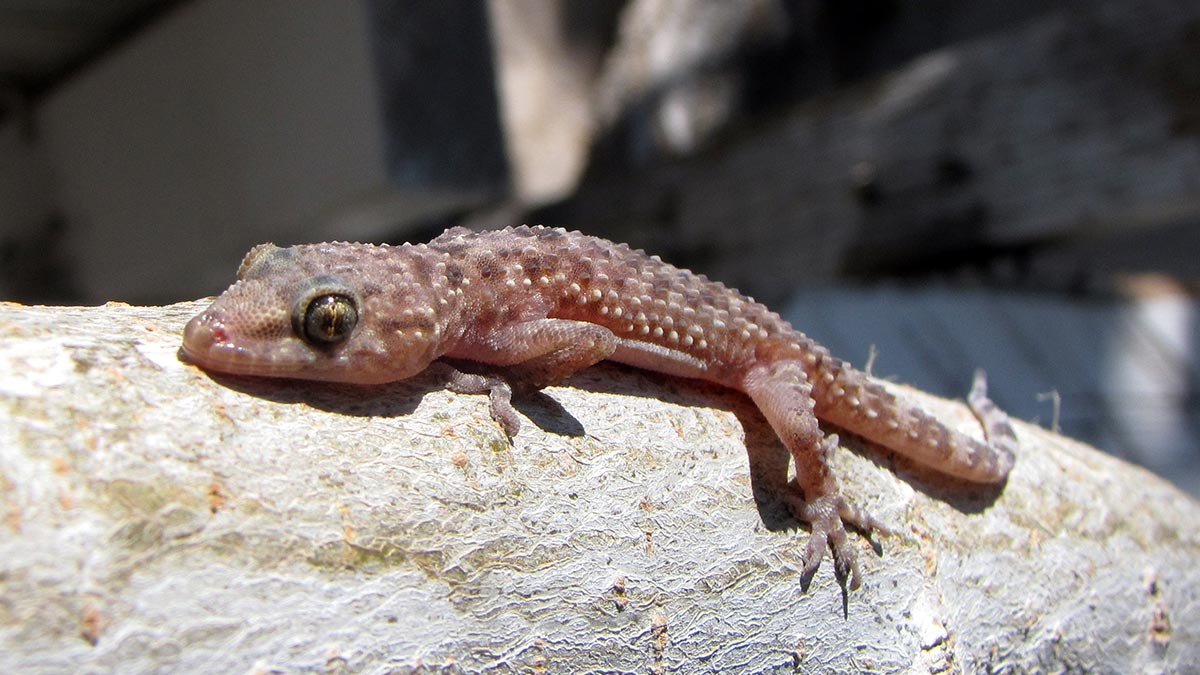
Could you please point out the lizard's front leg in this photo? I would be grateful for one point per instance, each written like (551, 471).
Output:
(534, 354)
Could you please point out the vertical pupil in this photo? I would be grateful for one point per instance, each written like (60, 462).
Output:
(329, 319)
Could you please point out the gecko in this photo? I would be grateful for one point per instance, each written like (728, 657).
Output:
(542, 303)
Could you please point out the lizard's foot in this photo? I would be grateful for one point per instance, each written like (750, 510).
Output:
(828, 533)
(499, 397)
(829, 514)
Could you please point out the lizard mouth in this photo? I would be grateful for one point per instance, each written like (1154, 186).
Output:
(207, 344)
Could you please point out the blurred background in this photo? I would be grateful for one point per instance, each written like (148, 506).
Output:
(927, 186)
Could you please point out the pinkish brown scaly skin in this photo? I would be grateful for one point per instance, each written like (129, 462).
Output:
(545, 303)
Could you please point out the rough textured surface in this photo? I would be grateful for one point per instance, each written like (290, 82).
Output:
(159, 520)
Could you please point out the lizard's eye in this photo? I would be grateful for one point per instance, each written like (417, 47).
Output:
(328, 319)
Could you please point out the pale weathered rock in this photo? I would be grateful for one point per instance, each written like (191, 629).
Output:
(158, 520)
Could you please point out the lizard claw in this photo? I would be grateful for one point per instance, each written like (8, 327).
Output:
(829, 534)
(829, 514)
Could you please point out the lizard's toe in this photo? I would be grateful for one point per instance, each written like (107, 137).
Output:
(829, 534)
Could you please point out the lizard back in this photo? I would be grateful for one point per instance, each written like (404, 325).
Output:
(538, 272)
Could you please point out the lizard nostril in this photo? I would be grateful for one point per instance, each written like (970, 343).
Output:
(201, 333)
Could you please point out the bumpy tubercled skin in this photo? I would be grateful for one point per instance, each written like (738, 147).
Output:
(544, 303)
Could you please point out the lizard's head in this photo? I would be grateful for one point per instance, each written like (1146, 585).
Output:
(339, 312)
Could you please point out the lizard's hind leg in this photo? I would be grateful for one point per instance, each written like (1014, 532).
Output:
(782, 392)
